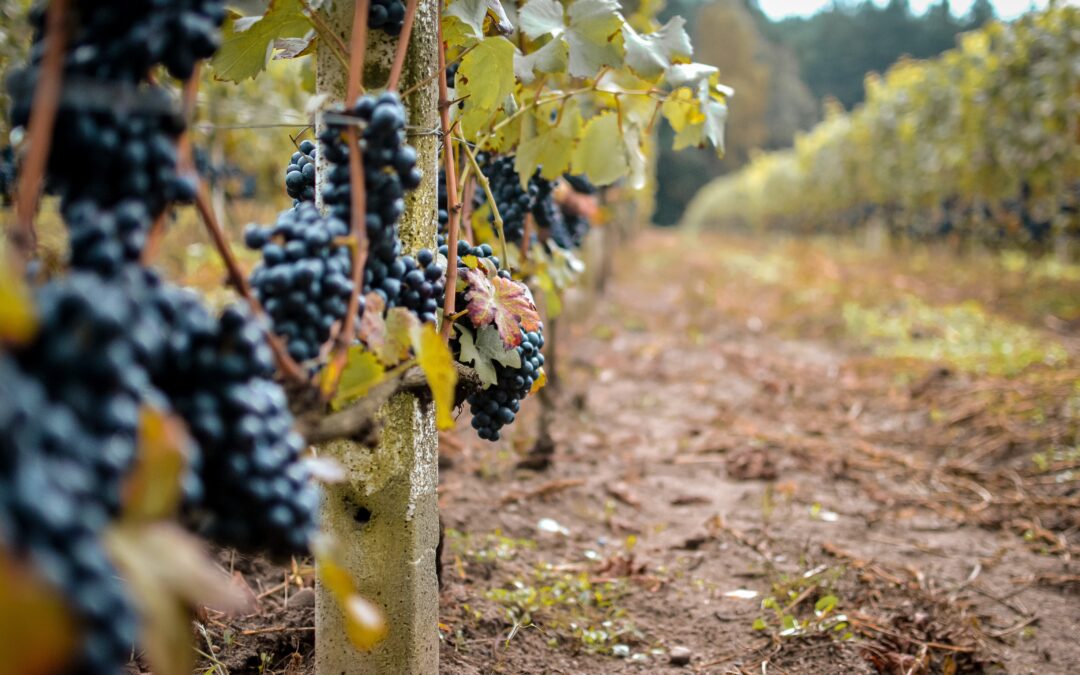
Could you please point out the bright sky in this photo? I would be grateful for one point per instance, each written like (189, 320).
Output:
(1005, 8)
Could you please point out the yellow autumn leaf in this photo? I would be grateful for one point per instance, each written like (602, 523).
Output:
(437, 362)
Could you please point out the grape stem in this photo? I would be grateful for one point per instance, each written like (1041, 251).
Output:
(358, 205)
(485, 184)
(453, 208)
(45, 102)
(402, 46)
(285, 363)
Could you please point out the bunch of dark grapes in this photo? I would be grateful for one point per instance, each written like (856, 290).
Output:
(92, 341)
(451, 73)
(389, 170)
(108, 151)
(512, 201)
(387, 15)
(423, 285)
(444, 205)
(544, 209)
(51, 520)
(121, 40)
(218, 374)
(105, 240)
(305, 280)
(300, 174)
(495, 407)
(464, 248)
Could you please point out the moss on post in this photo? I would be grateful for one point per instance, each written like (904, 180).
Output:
(385, 515)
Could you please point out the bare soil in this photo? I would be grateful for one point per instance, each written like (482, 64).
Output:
(740, 485)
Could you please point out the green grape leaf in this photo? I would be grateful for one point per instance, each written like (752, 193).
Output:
(542, 17)
(464, 20)
(486, 75)
(490, 345)
(650, 55)
(551, 149)
(437, 362)
(594, 27)
(600, 154)
(552, 57)
(485, 370)
(592, 36)
(503, 302)
(248, 41)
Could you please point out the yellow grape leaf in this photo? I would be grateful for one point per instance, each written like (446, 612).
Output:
(37, 630)
(153, 489)
(365, 624)
(539, 382)
(18, 323)
(486, 74)
(551, 149)
(362, 372)
(437, 362)
(170, 575)
(601, 154)
(650, 55)
(400, 324)
(465, 21)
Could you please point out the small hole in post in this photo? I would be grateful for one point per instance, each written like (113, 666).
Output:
(363, 516)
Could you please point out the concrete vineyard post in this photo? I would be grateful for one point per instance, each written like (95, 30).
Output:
(385, 515)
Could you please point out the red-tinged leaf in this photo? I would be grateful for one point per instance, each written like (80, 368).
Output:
(372, 329)
(153, 489)
(504, 302)
(37, 630)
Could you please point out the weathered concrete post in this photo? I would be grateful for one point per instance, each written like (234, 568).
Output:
(385, 515)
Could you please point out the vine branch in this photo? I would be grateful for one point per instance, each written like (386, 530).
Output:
(43, 109)
(327, 35)
(402, 46)
(358, 205)
(285, 363)
(452, 207)
(360, 421)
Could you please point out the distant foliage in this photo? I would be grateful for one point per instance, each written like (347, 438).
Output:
(981, 142)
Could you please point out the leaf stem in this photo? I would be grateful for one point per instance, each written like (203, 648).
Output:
(485, 185)
(402, 46)
(43, 110)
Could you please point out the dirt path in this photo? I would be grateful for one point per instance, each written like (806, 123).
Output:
(712, 459)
